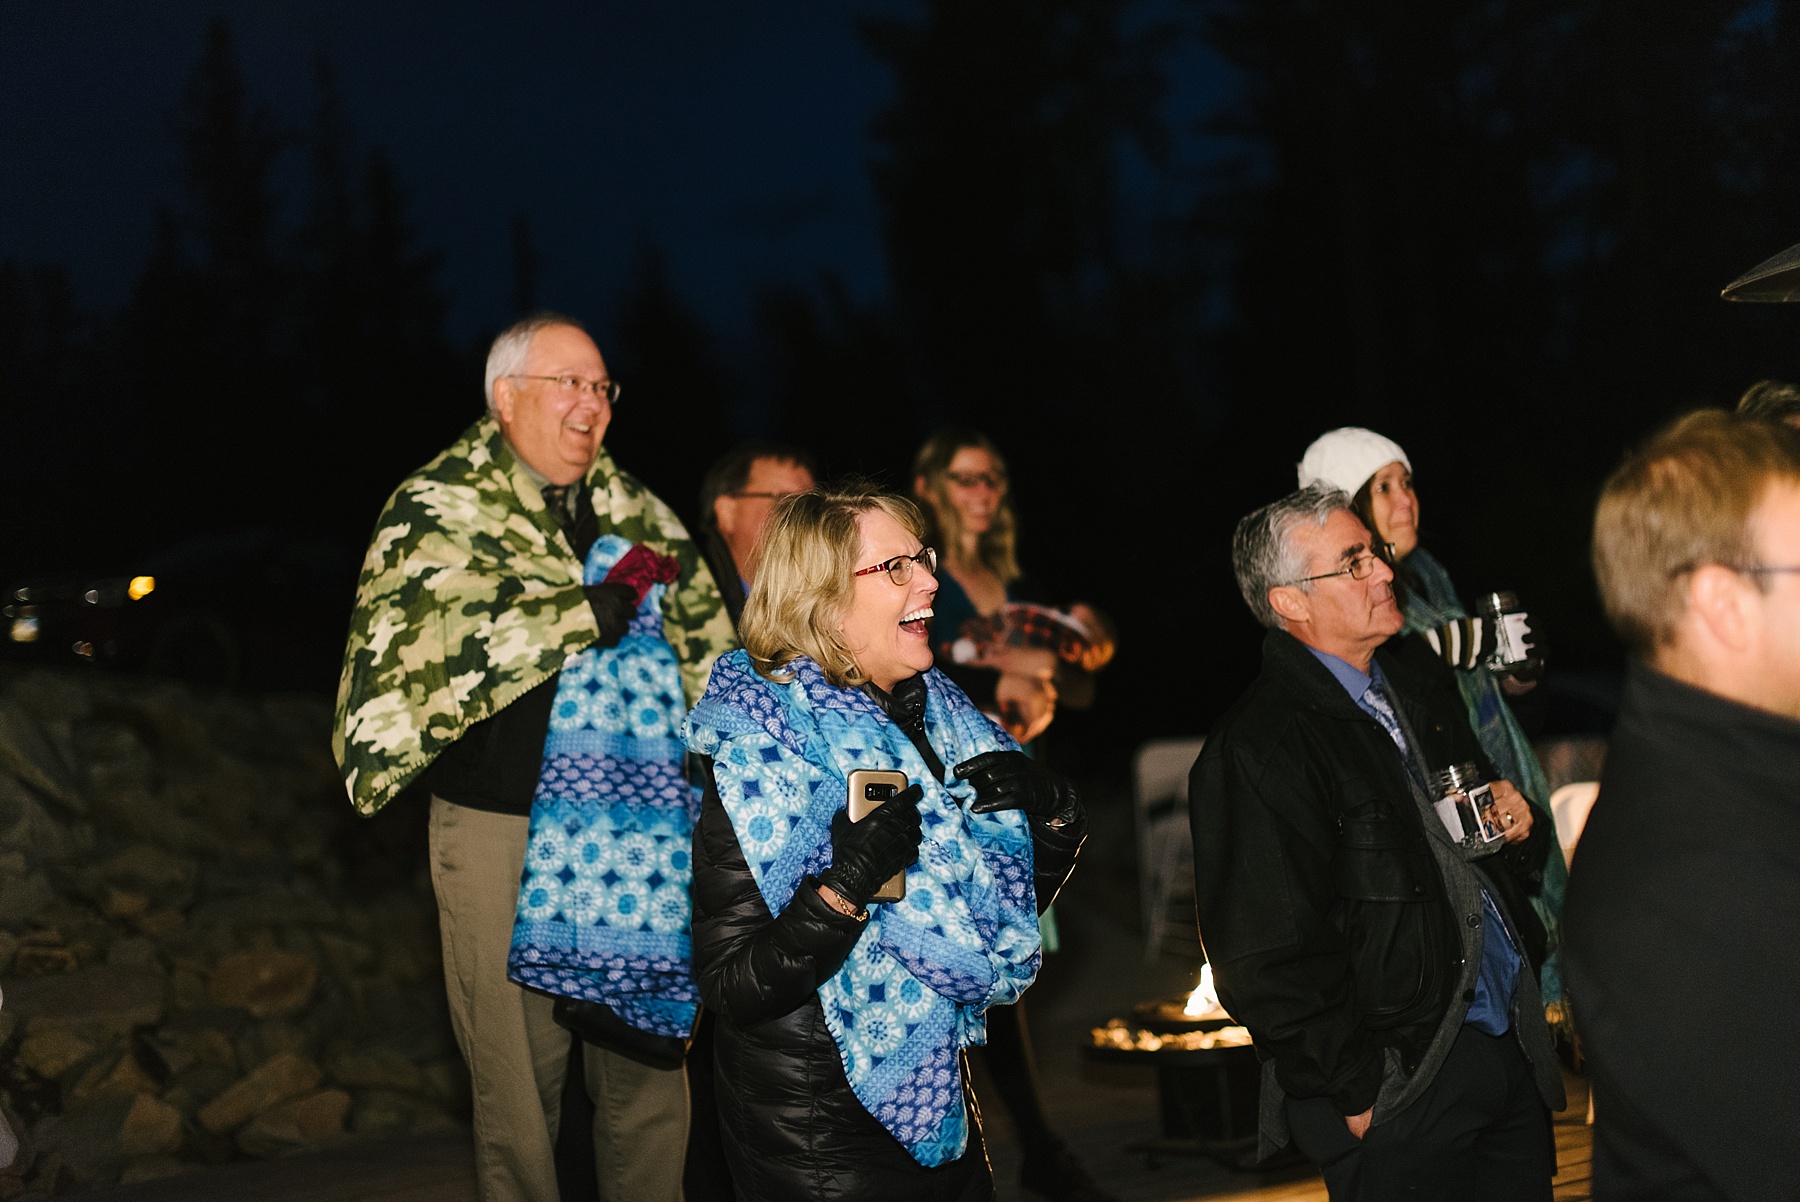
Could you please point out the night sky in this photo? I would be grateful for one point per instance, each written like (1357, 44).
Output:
(732, 136)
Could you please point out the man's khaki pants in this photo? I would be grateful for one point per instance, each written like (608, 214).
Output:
(516, 1053)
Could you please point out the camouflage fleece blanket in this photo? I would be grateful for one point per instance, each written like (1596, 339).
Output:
(470, 597)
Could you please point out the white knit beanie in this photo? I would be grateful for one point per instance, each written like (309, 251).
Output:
(1346, 457)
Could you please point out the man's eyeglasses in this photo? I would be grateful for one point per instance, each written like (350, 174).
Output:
(900, 567)
(603, 390)
(993, 480)
(1360, 568)
(1743, 569)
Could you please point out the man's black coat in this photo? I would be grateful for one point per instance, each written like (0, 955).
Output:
(1681, 927)
(1323, 911)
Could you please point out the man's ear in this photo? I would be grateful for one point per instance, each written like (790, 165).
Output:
(1291, 603)
(503, 401)
(1715, 599)
(918, 486)
(725, 514)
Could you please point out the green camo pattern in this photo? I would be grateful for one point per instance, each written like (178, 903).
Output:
(470, 596)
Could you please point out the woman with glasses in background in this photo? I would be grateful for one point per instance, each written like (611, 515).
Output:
(843, 1011)
(1378, 476)
(960, 481)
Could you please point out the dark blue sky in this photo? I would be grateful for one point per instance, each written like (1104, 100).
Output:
(733, 134)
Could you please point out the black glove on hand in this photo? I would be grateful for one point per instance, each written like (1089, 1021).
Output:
(1012, 780)
(614, 606)
(866, 854)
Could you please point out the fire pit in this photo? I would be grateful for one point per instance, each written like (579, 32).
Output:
(1207, 1074)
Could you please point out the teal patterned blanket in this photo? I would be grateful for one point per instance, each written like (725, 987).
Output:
(604, 906)
(913, 992)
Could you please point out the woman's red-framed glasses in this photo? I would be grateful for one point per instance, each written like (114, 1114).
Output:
(900, 567)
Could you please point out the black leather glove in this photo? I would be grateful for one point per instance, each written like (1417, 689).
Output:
(1012, 780)
(864, 855)
(614, 606)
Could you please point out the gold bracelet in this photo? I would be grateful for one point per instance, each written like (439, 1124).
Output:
(841, 904)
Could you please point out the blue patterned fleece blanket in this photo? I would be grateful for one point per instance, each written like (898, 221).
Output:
(912, 994)
(604, 906)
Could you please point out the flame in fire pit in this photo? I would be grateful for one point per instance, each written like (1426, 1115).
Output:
(1204, 1001)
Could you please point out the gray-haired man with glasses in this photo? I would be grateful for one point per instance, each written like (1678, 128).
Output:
(1379, 963)
(472, 599)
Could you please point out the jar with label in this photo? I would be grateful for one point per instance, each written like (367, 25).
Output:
(1513, 652)
(1465, 805)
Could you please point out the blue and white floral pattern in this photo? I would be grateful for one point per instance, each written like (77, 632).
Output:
(604, 906)
(912, 993)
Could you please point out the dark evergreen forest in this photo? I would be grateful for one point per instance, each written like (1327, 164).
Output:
(1492, 229)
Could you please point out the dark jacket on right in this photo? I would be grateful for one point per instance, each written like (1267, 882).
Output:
(1323, 909)
(1682, 921)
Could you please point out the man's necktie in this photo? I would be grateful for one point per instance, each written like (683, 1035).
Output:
(573, 508)
(1384, 714)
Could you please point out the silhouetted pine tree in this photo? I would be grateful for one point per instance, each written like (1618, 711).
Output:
(207, 334)
(1018, 313)
(1496, 231)
(385, 390)
(840, 381)
(58, 441)
(674, 415)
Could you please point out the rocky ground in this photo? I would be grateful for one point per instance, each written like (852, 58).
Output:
(206, 956)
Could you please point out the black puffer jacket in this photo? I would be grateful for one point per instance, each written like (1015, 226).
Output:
(793, 1129)
(1321, 905)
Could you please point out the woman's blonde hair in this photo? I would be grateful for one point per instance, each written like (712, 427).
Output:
(943, 524)
(804, 577)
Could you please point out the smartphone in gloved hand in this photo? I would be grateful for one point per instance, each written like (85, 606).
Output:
(869, 788)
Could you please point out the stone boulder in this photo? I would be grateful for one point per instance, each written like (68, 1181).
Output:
(264, 982)
(205, 954)
(276, 1080)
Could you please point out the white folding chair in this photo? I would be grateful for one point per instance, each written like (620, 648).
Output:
(1570, 806)
(1159, 778)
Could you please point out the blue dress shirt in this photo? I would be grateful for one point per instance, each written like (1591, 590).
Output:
(1491, 1011)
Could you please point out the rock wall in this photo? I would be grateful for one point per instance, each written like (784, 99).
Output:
(205, 954)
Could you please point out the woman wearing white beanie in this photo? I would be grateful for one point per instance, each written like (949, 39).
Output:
(1377, 475)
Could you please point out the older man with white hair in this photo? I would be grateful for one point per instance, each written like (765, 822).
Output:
(1377, 957)
(471, 600)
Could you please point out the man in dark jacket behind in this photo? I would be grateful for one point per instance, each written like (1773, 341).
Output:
(1386, 969)
(736, 498)
(1684, 903)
